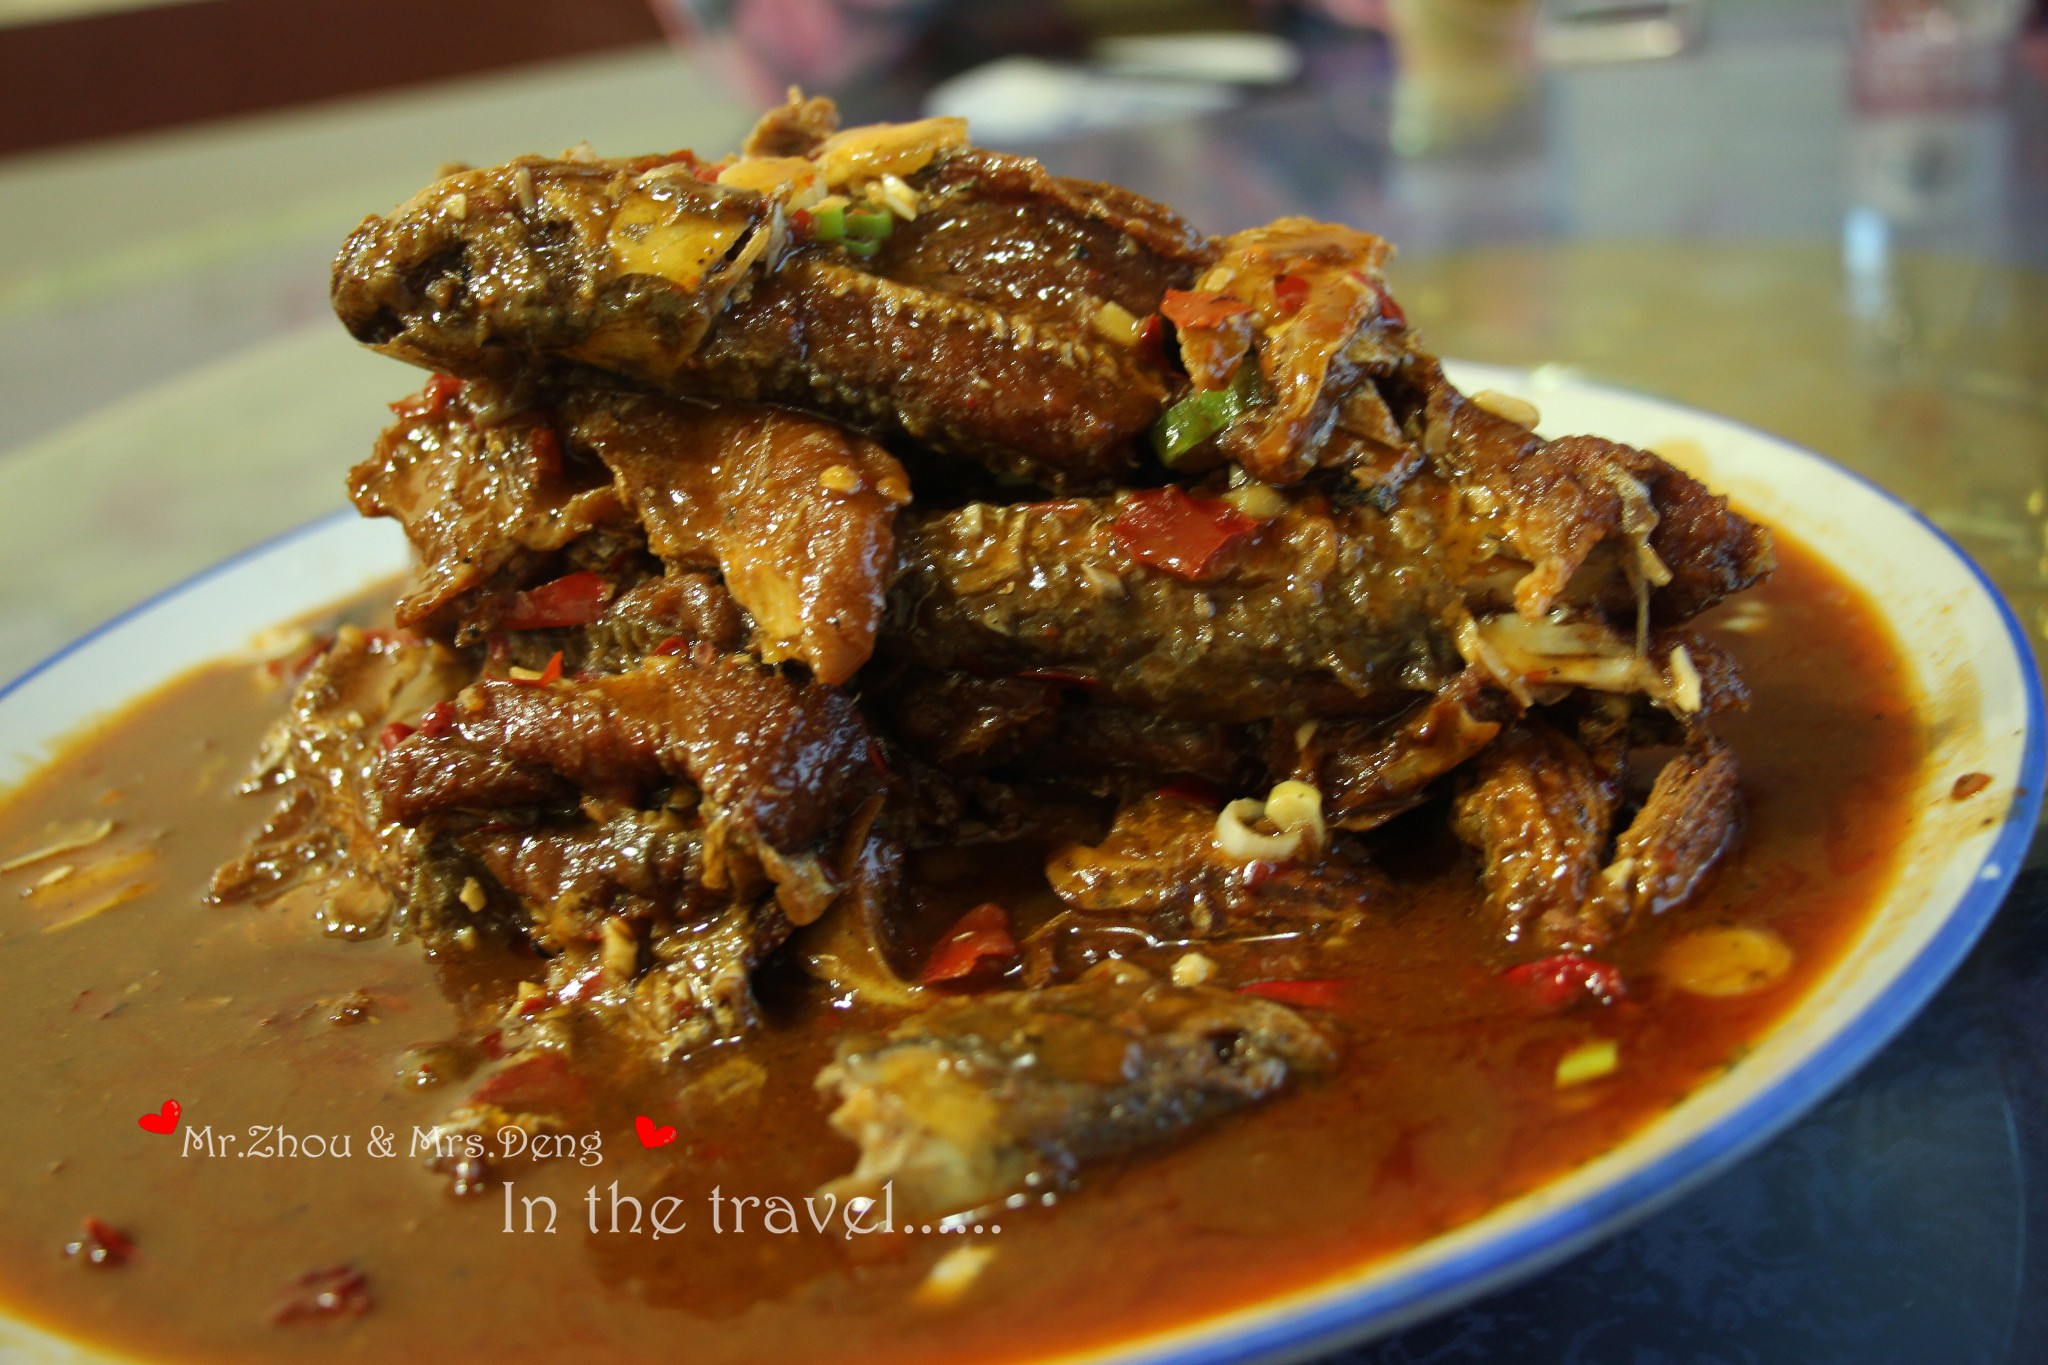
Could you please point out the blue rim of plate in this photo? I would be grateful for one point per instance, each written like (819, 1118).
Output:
(177, 589)
(1332, 1317)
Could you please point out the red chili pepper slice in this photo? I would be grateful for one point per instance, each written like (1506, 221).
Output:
(1314, 995)
(1553, 984)
(1258, 872)
(673, 645)
(1199, 308)
(1289, 293)
(430, 401)
(334, 1291)
(540, 1084)
(1177, 534)
(1200, 791)
(440, 718)
(550, 674)
(395, 734)
(1152, 343)
(1391, 310)
(101, 1245)
(981, 939)
(547, 450)
(574, 599)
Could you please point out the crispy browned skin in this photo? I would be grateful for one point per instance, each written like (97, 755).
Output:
(1692, 817)
(1312, 348)
(1159, 867)
(780, 768)
(329, 832)
(1539, 805)
(1539, 812)
(642, 269)
(1324, 611)
(796, 515)
(483, 504)
(1369, 772)
(979, 1098)
(1558, 501)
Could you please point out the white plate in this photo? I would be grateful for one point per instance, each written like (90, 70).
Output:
(1971, 666)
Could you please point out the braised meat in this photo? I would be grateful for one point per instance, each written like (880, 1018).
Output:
(794, 516)
(1212, 591)
(1182, 604)
(774, 278)
(777, 769)
(981, 1098)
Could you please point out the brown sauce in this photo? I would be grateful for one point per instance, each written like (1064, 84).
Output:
(1441, 1107)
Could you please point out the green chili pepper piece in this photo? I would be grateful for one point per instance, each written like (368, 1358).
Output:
(1191, 421)
(1197, 417)
(861, 247)
(828, 223)
(870, 224)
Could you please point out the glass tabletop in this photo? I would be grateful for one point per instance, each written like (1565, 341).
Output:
(1772, 224)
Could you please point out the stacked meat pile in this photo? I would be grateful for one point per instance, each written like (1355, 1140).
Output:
(870, 492)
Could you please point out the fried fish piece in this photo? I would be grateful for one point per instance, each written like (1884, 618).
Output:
(890, 276)
(982, 1097)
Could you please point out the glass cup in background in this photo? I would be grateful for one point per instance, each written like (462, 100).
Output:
(1465, 71)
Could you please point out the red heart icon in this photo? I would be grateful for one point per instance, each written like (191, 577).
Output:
(163, 1121)
(651, 1136)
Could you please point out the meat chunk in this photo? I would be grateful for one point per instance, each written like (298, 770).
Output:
(1302, 303)
(1539, 807)
(328, 843)
(1556, 502)
(1323, 610)
(780, 768)
(981, 1098)
(1162, 870)
(1692, 817)
(649, 270)
(483, 503)
(796, 515)
(1369, 772)
(1539, 812)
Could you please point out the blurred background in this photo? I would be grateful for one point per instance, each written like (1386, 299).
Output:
(1828, 218)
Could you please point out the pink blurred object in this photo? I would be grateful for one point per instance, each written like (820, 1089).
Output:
(1921, 55)
(825, 46)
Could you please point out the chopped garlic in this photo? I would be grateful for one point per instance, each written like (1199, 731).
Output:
(472, 895)
(1295, 805)
(841, 479)
(1588, 1062)
(1259, 501)
(900, 198)
(620, 950)
(1687, 693)
(952, 1275)
(1193, 969)
(1114, 321)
